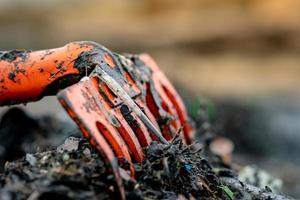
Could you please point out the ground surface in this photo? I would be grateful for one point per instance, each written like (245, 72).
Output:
(74, 170)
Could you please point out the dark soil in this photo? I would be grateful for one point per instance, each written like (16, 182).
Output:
(21, 133)
(74, 170)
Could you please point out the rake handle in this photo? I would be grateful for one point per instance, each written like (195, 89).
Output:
(29, 75)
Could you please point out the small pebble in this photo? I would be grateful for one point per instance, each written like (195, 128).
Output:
(87, 152)
(30, 159)
(66, 157)
(70, 144)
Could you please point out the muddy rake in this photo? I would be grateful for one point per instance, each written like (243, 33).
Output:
(120, 102)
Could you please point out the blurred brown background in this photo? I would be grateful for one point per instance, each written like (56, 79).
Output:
(237, 48)
(242, 54)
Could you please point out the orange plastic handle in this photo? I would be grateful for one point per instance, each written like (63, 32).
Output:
(28, 76)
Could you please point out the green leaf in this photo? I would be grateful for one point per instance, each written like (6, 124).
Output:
(211, 111)
(229, 193)
(194, 106)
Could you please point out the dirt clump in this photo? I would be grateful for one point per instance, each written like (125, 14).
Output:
(176, 170)
(77, 172)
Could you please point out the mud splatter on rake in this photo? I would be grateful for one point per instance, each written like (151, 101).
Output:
(120, 102)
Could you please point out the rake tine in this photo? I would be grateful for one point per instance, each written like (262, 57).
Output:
(122, 94)
(165, 87)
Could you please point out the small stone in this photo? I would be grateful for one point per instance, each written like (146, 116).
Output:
(87, 152)
(44, 159)
(136, 186)
(30, 159)
(111, 188)
(66, 157)
(70, 144)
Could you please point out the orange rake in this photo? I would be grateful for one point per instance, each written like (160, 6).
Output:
(120, 102)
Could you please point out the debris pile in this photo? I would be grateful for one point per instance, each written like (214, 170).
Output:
(74, 170)
(176, 170)
(76, 173)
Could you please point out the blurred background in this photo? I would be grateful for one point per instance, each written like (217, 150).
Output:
(242, 55)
